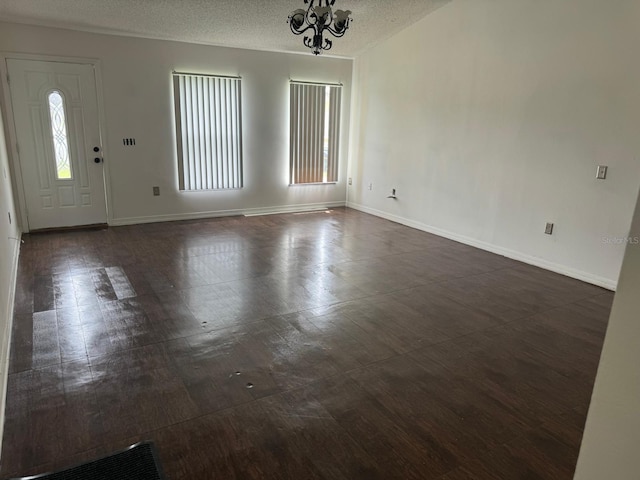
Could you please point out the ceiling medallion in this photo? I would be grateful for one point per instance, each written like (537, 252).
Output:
(319, 19)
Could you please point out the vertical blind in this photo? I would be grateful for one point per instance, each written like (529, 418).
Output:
(209, 132)
(315, 133)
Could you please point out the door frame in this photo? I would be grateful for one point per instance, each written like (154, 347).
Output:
(12, 137)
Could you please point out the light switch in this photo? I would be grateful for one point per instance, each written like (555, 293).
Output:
(602, 172)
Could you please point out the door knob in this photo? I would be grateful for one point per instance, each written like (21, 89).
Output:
(97, 160)
(96, 149)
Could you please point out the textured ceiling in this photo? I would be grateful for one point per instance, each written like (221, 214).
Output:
(256, 24)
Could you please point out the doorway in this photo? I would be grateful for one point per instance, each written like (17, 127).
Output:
(56, 117)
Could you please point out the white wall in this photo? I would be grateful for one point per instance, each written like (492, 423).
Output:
(136, 75)
(490, 118)
(9, 247)
(612, 434)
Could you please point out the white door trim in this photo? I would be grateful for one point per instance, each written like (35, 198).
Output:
(10, 128)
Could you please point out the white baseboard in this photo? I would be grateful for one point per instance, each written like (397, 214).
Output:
(505, 252)
(116, 222)
(5, 338)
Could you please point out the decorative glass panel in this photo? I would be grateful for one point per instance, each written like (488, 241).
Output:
(59, 135)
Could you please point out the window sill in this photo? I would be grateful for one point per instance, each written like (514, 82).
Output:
(311, 184)
(211, 190)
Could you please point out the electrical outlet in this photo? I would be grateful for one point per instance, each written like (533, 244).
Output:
(350, 181)
(549, 229)
(371, 186)
(156, 191)
(601, 174)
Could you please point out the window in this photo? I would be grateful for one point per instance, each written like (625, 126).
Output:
(209, 132)
(59, 135)
(315, 133)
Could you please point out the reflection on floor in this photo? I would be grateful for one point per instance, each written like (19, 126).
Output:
(321, 346)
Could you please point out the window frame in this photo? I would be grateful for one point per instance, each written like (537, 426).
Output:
(226, 171)
(331, 161)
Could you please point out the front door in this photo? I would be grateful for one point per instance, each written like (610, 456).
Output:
(55, 108)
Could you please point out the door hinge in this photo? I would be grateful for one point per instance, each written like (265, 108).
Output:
(8, 79)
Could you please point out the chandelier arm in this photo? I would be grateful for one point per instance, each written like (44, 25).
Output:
(308, 15)
(336, 33)
(329, 3)
(300, 32)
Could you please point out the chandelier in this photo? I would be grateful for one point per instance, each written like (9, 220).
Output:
(319, 19)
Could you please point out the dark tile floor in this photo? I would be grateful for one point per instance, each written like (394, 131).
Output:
(317, 346)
